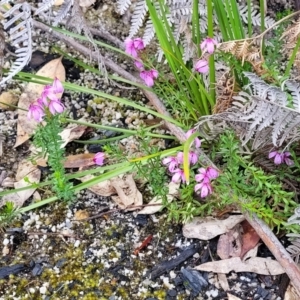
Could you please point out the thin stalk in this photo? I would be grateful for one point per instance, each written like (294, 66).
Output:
(262, 21)
(77, 88)
(212, 71)
(196, 25)
(250, 29)
(292, 59)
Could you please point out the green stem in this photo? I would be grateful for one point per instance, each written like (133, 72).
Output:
(212, 71)
(292, 59)
(196, 25)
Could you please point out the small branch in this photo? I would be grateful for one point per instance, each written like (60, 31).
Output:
(279, 252)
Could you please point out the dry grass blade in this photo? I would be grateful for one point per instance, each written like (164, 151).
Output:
(2, 139)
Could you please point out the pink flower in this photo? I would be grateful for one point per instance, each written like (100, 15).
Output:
(178, 176)
(204, 177)
(149, 76)
(205, 188)
(208, 45)
(212, 173)
(201, 66)
(172, 161)
(206, 174)
(42, 103)
(197, 142)
(35, 112)
(57, 86)
(138, 44)
(49, 93)
(193, 157)
(139, 64)
(180, 157)
(56, 106)
(286, 159)
(99, 158)
(280, 158)
(129, 48)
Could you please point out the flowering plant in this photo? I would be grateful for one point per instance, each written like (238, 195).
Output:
(47, 137)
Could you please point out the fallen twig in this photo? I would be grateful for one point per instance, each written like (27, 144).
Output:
(279, 252)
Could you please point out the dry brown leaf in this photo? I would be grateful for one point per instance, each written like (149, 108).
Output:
(250, 238)
(127, 191)
(79, 160)
(151, 209)
(222, 280)
(103, 188)
(8, 98)
(209, 227)
(259, 265)
(251, 253)
(33, 174)
(123, 187)
(291, 293)
(32, 92)
(72, 132)
(232, 297)
(230, 243)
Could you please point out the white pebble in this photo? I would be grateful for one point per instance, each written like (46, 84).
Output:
(77, 243)
(43, 290)
(5, 242)
(214, 293)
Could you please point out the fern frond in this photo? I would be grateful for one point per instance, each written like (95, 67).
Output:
(294, 88)
(63, 11)
(255, 16)
(149, 32)
(123, 5)
(20, 36)
(292, 33)
(47, 4)
(138, 17)
(261, 113)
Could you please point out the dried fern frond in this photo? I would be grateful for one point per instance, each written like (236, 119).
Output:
(261, 114)
(255, 16)
(292, 33)
(78, 21)
(63, 11)
(20, 36)
(245, 50)
(294, 238)
(138, 17)
(123, 5)
(226, 89)
(46, 5)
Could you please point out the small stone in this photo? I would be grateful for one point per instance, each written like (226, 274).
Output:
(43, 290)
(77, 243)
(5, 242)
(172, 293)
(214, 293)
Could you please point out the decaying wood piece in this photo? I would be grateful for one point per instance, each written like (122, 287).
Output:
(279, 252)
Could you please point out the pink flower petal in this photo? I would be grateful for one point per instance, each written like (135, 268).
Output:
(57, 86)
